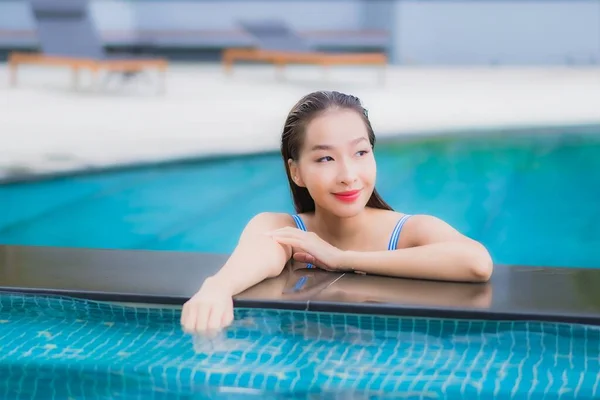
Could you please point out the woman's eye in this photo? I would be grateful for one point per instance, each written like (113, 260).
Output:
(363, 152)
(326, 158)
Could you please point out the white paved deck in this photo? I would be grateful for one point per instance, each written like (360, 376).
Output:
(45, 125)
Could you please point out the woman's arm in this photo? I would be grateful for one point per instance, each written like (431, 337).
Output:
(434, 250)
(255, 258)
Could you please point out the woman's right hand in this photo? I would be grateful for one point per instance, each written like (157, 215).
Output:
(208, 311)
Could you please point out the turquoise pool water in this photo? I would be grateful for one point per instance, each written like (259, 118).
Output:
(54, 347)
(531, 198)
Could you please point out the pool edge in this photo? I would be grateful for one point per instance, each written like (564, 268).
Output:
(224, 154)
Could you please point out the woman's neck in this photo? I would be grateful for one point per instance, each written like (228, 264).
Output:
(340, 231)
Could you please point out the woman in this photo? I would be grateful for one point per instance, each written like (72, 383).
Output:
(342, 224)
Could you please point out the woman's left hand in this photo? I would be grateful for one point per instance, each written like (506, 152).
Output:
(308, 247)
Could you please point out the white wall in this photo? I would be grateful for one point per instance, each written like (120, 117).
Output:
(497, 32)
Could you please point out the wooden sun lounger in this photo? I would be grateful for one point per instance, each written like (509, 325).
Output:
(57, 23)
(279, 44)
(77, 64)
(282, 58)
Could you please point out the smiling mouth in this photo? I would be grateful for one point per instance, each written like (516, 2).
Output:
(348, 196)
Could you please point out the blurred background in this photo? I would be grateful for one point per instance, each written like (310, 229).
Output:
(155, 124)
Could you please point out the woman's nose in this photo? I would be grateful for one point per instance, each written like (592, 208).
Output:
(347, 173)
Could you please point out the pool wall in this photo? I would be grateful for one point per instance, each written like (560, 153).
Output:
(514, 292)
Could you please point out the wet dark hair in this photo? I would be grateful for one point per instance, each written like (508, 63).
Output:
(304, 111)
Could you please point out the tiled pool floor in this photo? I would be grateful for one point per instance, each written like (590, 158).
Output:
(60, 347)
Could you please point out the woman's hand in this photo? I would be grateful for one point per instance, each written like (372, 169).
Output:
(308, 247)
(208, 311)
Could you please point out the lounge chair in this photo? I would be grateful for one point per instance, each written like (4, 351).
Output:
(68, 38)
(280, 45)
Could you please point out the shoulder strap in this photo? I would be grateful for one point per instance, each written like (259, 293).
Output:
(300, 225)
(393, 244)
(299, 222)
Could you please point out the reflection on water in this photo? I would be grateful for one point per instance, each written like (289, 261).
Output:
(83, 349)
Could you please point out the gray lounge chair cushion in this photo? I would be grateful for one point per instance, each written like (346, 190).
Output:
(274, 35)
(64, 28)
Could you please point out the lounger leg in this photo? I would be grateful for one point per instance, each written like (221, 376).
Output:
(13, 72)
(227, 63)
(279, 70)
(107, 78)
(95, 82)
(228, 67)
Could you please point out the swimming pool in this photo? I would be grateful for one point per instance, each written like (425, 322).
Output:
(58, 347)
(531, 198)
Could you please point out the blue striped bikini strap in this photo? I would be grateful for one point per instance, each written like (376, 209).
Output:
(300, 225)
(299, 222)
(393, 245)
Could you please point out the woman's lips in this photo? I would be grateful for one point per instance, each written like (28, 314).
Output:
(348, 196)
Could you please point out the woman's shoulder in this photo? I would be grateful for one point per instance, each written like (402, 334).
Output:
(271, 220)
(268, 221)
(422, 228)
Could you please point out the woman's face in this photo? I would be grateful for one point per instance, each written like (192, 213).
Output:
(336, 163)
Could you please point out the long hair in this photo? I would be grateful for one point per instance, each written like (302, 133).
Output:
(292, 138)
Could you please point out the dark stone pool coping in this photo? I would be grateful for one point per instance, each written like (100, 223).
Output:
(568, 295)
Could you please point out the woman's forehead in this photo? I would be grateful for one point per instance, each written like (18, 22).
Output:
(336, 128)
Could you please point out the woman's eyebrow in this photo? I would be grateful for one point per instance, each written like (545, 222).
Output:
(329, 147)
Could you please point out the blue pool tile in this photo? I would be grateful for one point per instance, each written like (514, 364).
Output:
(85, 349)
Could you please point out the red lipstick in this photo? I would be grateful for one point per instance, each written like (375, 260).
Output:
(347, 197)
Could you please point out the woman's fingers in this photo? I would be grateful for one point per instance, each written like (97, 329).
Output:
(206, 318)
(295, 243)
(202, 316)
(189, 321)
(304, 258)
(185, 312)
(227, 318)
(207, 312)
(215, 318)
